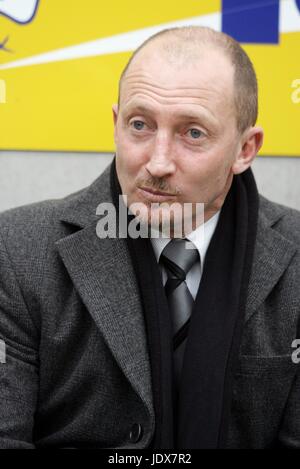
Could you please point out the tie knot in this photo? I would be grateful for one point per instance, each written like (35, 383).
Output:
(178, 257)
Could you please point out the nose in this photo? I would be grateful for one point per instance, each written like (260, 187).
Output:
(161, 158)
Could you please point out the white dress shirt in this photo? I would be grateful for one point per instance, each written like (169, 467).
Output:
(201, 238)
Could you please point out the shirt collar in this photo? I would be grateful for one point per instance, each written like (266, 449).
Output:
(200, 241)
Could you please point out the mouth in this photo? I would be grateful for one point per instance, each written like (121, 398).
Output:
(155, 195)
(153, 191)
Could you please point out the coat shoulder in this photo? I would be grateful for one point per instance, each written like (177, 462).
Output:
(31, 224)
(283, 219)
(33, 221)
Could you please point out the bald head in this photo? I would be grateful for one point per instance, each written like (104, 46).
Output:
(184, 46)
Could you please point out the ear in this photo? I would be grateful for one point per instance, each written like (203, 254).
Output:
(251, 142)
(115, 111)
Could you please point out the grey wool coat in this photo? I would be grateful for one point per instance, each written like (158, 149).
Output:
(77, 370)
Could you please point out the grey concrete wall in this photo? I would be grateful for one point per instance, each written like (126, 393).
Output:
(27, 177)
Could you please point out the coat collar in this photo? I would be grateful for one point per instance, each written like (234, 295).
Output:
(272, 255)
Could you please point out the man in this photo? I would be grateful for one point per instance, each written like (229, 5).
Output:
(171, 342)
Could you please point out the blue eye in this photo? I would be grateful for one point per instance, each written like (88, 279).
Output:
(138, 125)
(195, 133)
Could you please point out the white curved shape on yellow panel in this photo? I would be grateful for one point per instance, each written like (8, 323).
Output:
(21, 11)
(289, 17)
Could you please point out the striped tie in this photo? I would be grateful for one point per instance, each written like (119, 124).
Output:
(178, 257)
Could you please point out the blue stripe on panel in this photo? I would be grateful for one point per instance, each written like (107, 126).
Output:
(251, 21)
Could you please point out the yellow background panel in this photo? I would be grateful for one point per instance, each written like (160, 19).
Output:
(62, 106)
(67, 105)
(277, 66)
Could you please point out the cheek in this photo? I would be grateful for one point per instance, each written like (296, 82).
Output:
(129, 165)
(206, 176)
(217, 163)
(131, 156)
(126, 160)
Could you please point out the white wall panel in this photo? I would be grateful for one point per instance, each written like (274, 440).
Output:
(30, 177)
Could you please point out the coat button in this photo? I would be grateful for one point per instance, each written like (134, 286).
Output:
(135, 433)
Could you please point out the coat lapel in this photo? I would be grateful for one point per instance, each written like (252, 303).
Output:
(102, 273)
(273, 253)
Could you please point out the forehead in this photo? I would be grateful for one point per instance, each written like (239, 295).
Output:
(208, 69)
(202, 83)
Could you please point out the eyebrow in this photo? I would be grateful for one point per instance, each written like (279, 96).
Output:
(139, 108)
(181, 116)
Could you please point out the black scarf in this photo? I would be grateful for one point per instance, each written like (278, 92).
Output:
(199, 418)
